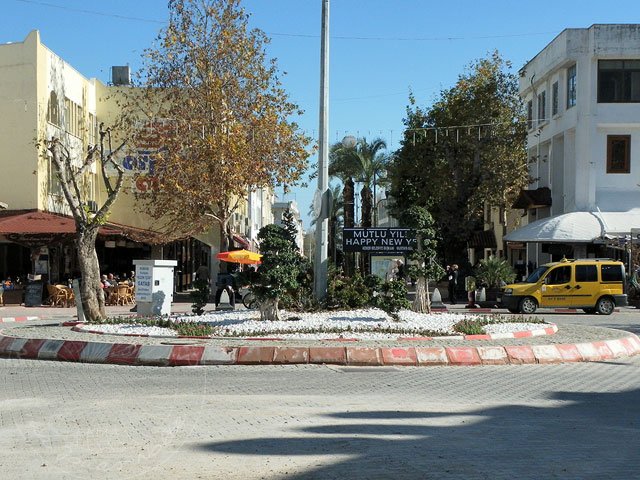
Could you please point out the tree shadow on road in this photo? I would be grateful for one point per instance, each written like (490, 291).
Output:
(583, 436)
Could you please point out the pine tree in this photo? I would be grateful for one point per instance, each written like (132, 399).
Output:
(290, 226)
(279, 271)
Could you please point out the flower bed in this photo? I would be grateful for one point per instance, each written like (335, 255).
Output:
(364, 324)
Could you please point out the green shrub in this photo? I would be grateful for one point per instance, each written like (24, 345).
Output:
(348, 292)
(392, 297)
(192, 329)
(470, 327)
(475, 326)
(494, 272)
(200, 296)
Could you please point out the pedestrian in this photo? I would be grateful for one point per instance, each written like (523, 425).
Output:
(203, 273)
(452, 278)
(400, 270)
(105, 281)
(392, 270)
(225, 283)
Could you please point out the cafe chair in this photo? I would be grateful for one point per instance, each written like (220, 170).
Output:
(57, 296)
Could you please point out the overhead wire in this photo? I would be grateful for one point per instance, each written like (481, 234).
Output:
(296, 35)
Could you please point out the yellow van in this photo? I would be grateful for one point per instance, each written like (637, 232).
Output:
(594, 285)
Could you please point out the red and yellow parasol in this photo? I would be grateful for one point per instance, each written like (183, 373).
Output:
(240, 256)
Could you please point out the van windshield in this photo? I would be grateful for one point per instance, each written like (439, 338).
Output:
(537, 273)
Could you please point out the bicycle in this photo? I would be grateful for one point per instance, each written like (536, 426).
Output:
(249, 300)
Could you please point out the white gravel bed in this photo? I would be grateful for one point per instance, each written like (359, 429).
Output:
(131, 329)
(358, 324)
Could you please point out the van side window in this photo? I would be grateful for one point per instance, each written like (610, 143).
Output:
(586, 273)
(611, 273)
(559, 275)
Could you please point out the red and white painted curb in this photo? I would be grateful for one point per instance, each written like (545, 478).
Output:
(17, 319)
(180, 355)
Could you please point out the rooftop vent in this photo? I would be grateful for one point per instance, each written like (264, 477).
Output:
(120, 75)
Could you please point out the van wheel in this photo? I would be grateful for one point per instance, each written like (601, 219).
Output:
(590, 311)
(528, 305)
(605, 306)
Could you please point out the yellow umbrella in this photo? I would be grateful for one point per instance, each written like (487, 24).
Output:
(240, 256)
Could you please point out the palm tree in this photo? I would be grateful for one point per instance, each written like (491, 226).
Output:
(364, 163)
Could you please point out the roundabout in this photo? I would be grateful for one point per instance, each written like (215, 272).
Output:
(352, 338)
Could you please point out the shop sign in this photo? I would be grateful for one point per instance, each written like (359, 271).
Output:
(144, 279)
(141, 167)
(384, 240)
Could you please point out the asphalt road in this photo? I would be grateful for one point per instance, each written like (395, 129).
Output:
(627, 318)
(571, 421)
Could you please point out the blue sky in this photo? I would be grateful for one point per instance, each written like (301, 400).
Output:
(380, 49)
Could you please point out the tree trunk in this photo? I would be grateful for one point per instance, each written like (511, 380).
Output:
(349, 215)
(349, 205)
(421, 303)
(226, 236)
(367, 206)
(90, 286)
(269, 310)
(332, 240)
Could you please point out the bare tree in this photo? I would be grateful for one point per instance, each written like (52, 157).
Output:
(72, 174)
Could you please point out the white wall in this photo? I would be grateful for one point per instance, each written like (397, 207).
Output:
(581, 131)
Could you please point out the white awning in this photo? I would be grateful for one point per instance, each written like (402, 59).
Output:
(577, 227)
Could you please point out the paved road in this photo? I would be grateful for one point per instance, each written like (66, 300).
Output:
(627, 318)
(68, 420)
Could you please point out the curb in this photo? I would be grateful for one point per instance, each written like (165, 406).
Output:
(17, 319)
(183, 355)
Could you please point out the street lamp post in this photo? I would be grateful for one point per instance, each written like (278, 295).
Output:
(322, 222)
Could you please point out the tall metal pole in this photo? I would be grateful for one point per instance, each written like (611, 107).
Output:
(322, 223)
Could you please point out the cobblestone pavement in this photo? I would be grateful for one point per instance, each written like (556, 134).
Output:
(63, 420)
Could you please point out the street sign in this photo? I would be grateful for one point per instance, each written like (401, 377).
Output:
(383, 240)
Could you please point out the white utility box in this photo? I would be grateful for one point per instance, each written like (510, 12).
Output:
(154, 286)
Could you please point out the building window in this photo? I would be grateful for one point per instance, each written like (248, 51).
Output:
(542, 107)
(55, 187)
(530, 114)
(53, 109)
(618, 81)
(554, 99)
(74, 118)
(91, 129)
(571, 86)
(618, 153)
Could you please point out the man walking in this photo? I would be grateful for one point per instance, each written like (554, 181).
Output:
(452, 277)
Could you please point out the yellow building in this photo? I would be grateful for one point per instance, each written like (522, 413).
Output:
(42, 96)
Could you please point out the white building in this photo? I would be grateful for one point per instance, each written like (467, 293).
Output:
(582, 93)
(279, 208)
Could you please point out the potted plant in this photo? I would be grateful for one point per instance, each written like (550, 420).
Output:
(492, 274)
